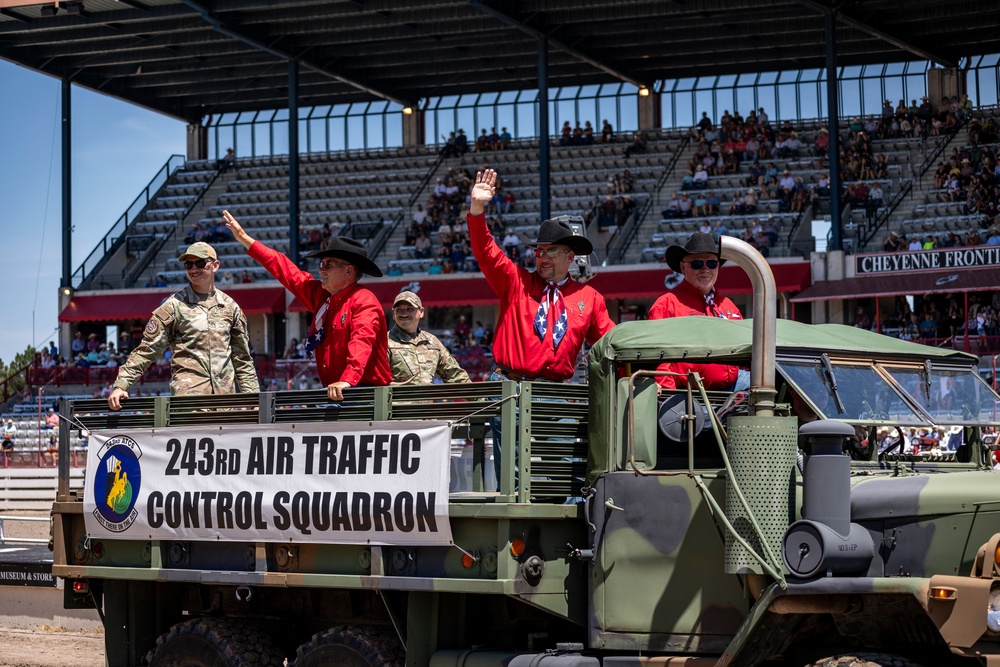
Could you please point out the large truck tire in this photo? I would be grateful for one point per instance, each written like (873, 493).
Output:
(864, 660)
(215, 642)
(351, 646)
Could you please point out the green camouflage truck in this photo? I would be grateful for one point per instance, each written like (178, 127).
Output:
(788, 525)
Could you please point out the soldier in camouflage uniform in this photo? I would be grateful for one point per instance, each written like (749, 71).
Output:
(417, 356)
(206, 332)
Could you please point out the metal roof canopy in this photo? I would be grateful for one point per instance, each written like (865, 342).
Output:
(192, 58)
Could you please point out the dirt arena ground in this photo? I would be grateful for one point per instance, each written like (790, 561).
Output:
(44, 647)
(34, 643)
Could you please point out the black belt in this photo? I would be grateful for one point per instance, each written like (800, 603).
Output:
(517, 377)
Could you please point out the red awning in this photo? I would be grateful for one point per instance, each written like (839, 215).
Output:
(255, 300)
(613, 282)
(138, 304)
(901, 284)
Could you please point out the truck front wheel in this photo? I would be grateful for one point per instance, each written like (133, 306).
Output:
(864, 660)
(351, 646)
(214, 642)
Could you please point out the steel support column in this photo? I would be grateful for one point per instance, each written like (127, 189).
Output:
(833, 126)
(67, 185)
(293, 160)
(543, 127)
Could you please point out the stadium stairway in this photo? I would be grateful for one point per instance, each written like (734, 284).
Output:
(643, 238)
(390, 249)
(168, 250)
(921, 213)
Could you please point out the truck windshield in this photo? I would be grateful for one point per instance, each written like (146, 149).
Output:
(949, 395)
(865, 394)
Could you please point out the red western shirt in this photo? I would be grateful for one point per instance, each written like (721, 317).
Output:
(355, 345)
(683, 300)
(516, 346)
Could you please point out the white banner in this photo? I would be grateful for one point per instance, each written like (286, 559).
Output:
(340, 482)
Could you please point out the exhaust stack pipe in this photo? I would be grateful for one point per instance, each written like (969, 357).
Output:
(765, 314)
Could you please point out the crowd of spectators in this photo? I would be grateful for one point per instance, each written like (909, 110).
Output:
(456, 144)
(493, 141)
(935, 317)
(437, 232)
(723, 150)
(970, 178)
(228, 278)
(584, 136)
(617, 204)
(915, 120)
(313, 237)
(90, 351)
(859, 166)
(895, 242)
(209, 232)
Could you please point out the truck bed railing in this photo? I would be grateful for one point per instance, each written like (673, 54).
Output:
(551, 445)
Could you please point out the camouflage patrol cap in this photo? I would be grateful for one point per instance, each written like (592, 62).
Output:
(199, 250)
(407, 297)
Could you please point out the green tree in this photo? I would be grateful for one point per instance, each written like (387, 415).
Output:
(12, 378)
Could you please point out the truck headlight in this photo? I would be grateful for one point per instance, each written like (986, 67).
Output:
(993, 613)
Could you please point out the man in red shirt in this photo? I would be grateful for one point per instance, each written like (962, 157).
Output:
(348, 335)
(545, 316)
(699, 262)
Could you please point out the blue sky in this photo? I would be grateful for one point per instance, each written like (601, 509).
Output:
(117, 148)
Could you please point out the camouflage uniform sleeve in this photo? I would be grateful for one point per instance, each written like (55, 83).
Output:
(246, 372)
(402, 373)
(155, 340)
(448, 369)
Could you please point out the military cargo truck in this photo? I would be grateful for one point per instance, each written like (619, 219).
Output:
(788, 525)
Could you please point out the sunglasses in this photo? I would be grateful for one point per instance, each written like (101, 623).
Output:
(551, 253)
(200, 263)
(698, 264)
(328, 264)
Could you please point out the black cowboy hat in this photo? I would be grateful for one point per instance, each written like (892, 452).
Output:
(700, 243)
(559, 232)
(349, 250)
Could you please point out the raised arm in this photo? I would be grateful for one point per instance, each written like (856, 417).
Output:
(483, 191)
(237, 229)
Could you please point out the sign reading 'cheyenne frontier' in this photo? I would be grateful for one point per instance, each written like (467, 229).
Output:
(927, 260)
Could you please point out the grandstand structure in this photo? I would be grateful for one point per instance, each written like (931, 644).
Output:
(202, 59)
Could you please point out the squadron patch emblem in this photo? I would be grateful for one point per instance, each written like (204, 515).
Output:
(153, 326)
(117, 490)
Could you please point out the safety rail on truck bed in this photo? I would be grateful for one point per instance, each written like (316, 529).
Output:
(552, 432)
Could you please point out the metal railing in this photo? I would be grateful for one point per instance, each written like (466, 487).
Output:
(23, 540)
(544, 453)
(115, 237)
(377, 242)
(129, 276)
(881, 219)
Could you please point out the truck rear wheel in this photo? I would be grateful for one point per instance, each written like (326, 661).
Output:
(864, 660)
(351, 646)
(215, 642)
